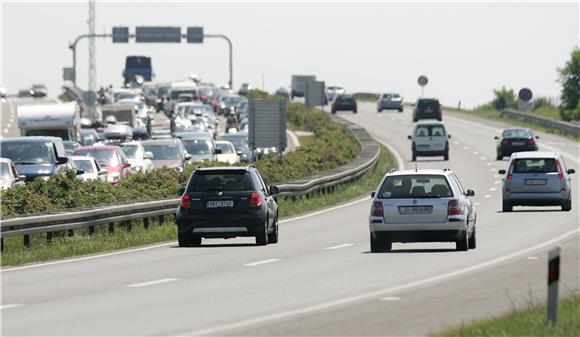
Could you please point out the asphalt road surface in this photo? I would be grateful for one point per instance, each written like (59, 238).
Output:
(8, 113)
(320, 279)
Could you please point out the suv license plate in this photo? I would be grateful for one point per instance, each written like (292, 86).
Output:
(219, 203)
(535, 181)
(415, 209)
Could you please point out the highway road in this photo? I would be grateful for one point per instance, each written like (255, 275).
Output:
(320, 279)
(8, 113)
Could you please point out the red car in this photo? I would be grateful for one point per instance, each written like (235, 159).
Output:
(111, 158)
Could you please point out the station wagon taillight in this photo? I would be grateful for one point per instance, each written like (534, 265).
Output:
(455, 207)
(185, 202)
(532, 141)
(377, 209)
(255, 200)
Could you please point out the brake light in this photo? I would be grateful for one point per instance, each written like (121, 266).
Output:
(511, 170)
(439, 108)
(204, 98)
(560, 172)
(532, 141)
(185, 202)
(255, 200)
(418, 110)
(455, 207)
(377, 209)
(504, 142)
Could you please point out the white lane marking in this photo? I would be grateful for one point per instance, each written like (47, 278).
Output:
(6, 130)
(390, 299)
(482, 158)
(533, 258)
(466, 147)
(8, 125)
(477, 203)
(475, 152)
(344, 245)
(384, 292)
(488, 164)
(493, 189)
(258, 263)
(497, 176)
(12, 111)
(151, 283)
(455, 142)
(9, 306)
(487, 196)
(493, 169)
(497, 182)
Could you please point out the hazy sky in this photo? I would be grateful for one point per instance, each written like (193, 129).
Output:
(465, 48)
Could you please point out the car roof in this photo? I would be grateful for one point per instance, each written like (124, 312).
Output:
(223, 141)
(31, 139)
(512, 129)
(225, 168)
(97, 148)
(195, 135)
(5, 160)
(420, 172)
(168, 141)
(427, 99)
(534, 154)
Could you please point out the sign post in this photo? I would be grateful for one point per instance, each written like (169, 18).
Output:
(553, 280)
(422, 81)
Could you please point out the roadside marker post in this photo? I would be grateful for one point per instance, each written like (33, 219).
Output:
(553, 280)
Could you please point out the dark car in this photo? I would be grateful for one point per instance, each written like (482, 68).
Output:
(515, 140)
(427, 108)
(227, 202)
(344, 103)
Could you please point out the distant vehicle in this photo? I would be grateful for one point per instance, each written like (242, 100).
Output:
(344, 102)
(163, 92)
(179, 88)
(244, 89)
(35, 156)
(38, 90)
(429, 139)
(24, 93)
(228, 152)
(298, 84)
(536, 179)
(515, 140)
(137, 66)
(3, 92)
(139, 158)
(89, 136)
(200, 145)
(390, 101)
(9, 176)
(228, 103)
(185, 98)
(167, 153)
(118, 133)
(111, 158)
(332, 91)
(282, 92)
(422, 206)
(427, 108)
(52, 119)
(90, 167)
(240, 141)
(70, 145)
(226, 202)
(206, 93)
(123, 113)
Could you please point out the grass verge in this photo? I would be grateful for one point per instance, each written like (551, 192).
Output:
(532, 322)
(81, 243)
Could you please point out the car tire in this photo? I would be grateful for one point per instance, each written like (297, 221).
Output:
(506, 206)
(439, 119)
(188, 240)
(379, 110)
(414, 156)
(463, 243)
(333, 111)
(401, 110)
(567, 205)
(472, 242)
(377, 246)
(446, 155)
(414, 120)
(354, 111)
(273, 237)
(262, 237)
(499, 157)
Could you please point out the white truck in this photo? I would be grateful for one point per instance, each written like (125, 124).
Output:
(54, 119)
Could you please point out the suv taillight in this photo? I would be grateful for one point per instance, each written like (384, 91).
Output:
(185, 202)
(255, 200)
(439, 109)
(377, 209)
(418, 109)
(504, 142)
(455, 207)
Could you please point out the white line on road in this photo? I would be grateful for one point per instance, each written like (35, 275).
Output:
(475, 152)
(493, 169)
(497, 176)
(150, 283)
(493, 189)
(533, 258)
(344, 245)
(9, 306)
(482, 158)
(477, 203)
(466, 147)
(497, 182)
(455, 142)
(6, 130)
(488, 164)
(487, 196)
(258, 263)
(9, 125)
(390, 299)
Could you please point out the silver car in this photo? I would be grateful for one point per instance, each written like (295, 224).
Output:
(390, 101)
(536, 179)
(429, 139)
(9, 176)
(422, 206)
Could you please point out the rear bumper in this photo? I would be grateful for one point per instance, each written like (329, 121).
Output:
(344, 107)
(224, 225)
(422, 236)
(423, 115)
(536, 199)
(457, 225)
(392, 105)
(508, 150)
(430, 153)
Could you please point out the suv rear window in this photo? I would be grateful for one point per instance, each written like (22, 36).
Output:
(428, 103)
(535, 165)
(415, 186)
(205, 181)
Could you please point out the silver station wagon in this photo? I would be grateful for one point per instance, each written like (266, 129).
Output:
(536, 179)
(422, 206)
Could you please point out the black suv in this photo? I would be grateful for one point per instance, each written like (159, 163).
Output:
(344, 102)
(427, 108)
(226, 202)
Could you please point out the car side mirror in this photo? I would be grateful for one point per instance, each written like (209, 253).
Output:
(571, 171)
(21, 178)
(496, 137)
(187, 156)
(103, 172)
(274, 190)
(409, 137)
(501, 171)
(79, 172)
(470, 193)
(61, 160)
(217, 151)
(148, 155)
(373, 194)
(180, 191)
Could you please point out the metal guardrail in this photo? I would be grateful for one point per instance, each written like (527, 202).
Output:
(72, 219)
(564, 128)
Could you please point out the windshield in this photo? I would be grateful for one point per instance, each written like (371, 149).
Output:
(198, 146)
(123, 95)
(88, 139)
(85, 165)
(535, 165)
(428, 103)
(163, 152)
(28, 153)
(415, 186)
(225, 148)
(4, 171)
(103, 157)
(130, 151)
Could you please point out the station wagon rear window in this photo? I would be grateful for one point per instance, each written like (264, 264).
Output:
(219, 181)
(535, 165)
(415, 186)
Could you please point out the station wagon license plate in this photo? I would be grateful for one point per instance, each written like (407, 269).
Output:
(535, 181)
(219, 203)
(415, 209)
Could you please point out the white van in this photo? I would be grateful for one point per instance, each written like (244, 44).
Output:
(430, 139)
(53, 120)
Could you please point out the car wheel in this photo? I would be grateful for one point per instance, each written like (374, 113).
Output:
(273, 237)
(507, 206)
(401, 110)
(463, 243)
(379, 110)
(473, 240)
(414, 156)
(414, 120)
(354, 111)
(262, 237)
(439, 119)
(499, 157)
(333, 111)
(567, 205)
(377, 246)
(446, 155)
(188, 240)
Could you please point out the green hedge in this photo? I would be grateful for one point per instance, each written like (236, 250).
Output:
(333, 146)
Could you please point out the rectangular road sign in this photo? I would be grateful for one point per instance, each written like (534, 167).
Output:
(68, 74)
(120, 34)
(194, 34)
(267, 124)
(147, 34)
(314, 94)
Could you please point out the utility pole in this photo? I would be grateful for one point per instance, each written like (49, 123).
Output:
(92, 48)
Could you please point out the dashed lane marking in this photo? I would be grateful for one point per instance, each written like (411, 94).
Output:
(151, 283)
(487, 196)
(9, 306)
(344, 245)
(258, 263)
(390, 299)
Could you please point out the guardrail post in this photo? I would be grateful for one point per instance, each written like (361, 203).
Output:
(129, 226)
(161, 219)
(91, 230)
(1, 244)
(71, 232)
(111, 228)
(26, 240)
(49, 237)
(146, 223)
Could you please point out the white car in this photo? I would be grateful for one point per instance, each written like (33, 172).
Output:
(228, 152)
(139, 159)
(92, 169)
(422, 206)
(9, 176)
(430, 139)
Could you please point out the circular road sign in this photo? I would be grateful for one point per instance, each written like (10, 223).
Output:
(422, 80)
(525, 94)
